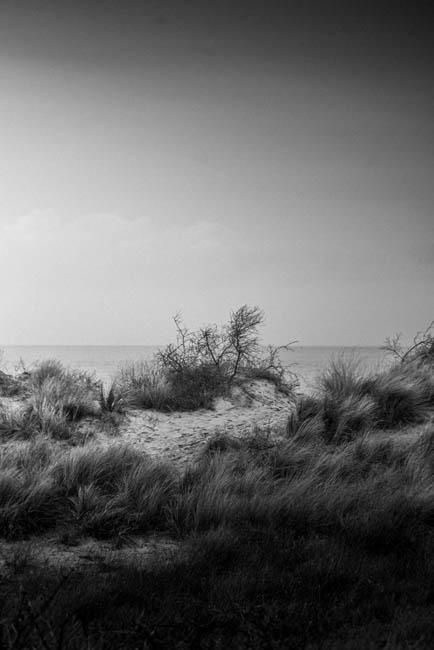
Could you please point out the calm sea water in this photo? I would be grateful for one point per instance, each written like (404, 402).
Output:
(104, 360)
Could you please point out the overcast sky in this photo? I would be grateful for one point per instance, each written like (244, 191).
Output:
(196, 156)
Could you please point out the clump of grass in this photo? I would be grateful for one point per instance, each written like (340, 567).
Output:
(72, 393)
(111, 399)
(115, 490)
(91, 465)
(56, 397)
(139, 504)
(402, 395)
(45, 370)
(348, 403)
(27, 505)
(339, 410)
(96, 491)
(10, 386)
(330, 419)
(143, 384)
(31, 457)
(47, 417)
(341, 377)
(16, 425)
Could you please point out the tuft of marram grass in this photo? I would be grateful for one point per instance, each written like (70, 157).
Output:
(57, 397)
(30, 457)
(111, 399)
(16, 425)
(88, 465)
(138, 505)
(348, 403)
(28, 506)
(143, 384)
(299, 484)
(403, 395)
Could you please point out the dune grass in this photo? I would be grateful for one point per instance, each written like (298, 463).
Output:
(69, 393)
(280, 545)
(347, 402)
(252, 480)
(320, 538)
(144, 385)
(148, 385)
(54, 399)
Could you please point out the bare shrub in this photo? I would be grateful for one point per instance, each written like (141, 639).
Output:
(229, 349)
(421, 348)
(203, 364)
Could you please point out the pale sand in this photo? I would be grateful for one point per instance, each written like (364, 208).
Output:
(179, 436)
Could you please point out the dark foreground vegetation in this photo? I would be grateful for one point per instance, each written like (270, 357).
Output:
(322, 537)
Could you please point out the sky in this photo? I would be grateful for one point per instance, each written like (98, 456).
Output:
(165, 157)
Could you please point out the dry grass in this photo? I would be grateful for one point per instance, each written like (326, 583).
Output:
(338, 536)
(143, 385)
(348, 403)
(55, 398)
(322, 539)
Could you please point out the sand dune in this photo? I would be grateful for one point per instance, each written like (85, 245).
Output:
(179, 436)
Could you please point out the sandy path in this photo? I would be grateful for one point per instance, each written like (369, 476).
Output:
(178, 436)
(87, 553)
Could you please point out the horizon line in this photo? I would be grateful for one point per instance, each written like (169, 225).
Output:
(154, 345)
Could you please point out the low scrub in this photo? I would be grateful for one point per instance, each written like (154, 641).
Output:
(421, 350)
(203, 365)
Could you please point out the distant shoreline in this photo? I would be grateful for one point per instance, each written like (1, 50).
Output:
(104, 360)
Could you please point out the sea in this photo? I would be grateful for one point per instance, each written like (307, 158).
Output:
(103, 361)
